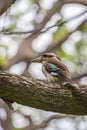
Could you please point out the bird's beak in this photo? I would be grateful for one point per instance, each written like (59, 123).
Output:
(39, 59)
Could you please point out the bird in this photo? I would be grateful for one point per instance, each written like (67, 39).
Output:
(54, 70)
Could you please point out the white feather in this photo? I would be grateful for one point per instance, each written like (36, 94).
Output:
(47, 75)
(53, 73)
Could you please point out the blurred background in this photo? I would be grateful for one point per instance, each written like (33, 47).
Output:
(29, 28)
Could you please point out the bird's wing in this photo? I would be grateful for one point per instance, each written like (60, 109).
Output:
(50, 67)
(56, 71)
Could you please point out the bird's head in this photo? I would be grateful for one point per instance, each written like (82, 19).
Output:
(46, 57)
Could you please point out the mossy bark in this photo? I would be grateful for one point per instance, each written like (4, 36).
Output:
(43, 95)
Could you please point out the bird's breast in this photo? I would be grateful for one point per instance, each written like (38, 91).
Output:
(47, 74)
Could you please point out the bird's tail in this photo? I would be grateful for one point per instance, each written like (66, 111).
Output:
(71, 84)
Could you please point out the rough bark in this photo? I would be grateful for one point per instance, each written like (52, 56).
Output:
(43, 95)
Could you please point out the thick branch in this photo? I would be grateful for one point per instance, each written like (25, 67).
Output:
(41, 95)
(5, 4)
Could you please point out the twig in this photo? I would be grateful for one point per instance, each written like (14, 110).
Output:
(60, 23)
(79, 76)
(58, 44)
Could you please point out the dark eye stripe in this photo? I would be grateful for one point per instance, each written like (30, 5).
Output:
(47, 56)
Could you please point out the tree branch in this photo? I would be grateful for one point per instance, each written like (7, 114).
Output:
(21, 56)
(28, 53)
(5, 4)
(79, 76)
(83, 2)
(44, 123)
(41, 95)
(59, 43)
(59, 24)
